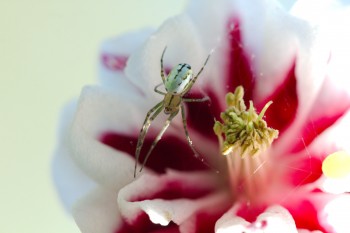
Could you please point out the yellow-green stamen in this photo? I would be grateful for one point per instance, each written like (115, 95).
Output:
(243, 131)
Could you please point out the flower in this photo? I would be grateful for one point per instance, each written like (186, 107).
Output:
(261, 53)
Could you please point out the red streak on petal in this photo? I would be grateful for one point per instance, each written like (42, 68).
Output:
(305, 215)
(170, 152)
(200, 116)
(305, 171)
(114, 62)
(250, 212)
(238, 67)
(285, 103)
(313, 128)
(142, 224)
(205, 222)
(175, 189)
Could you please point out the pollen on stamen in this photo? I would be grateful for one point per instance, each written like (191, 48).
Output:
(242, 130)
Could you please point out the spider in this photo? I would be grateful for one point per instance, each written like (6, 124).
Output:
(177, 84)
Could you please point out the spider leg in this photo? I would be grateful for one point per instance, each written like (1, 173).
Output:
(146, 124)
(158, 91)
(192, 81)
(200, 71)
(190, 143)
(159, 136)
(206, 98)
(161, 66)
(184, 122)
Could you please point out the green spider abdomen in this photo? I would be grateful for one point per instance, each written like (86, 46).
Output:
(179, 79)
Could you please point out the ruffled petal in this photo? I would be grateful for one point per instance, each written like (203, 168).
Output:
(175, 197)
(70, 181)
(98, 212)
(274, 219)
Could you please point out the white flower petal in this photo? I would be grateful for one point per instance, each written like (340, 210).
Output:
(278, 219)
(213, 29)
(113, 55)
(326, 74)
(314, 11)
(70, 181)
(230, 223)
(333, 22)
(335, 186)
(183, 46)
(335, 214)
(275, 219)
(287, 4)
(102, 110)
(98, 212)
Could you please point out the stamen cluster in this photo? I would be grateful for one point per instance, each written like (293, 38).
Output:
(245, 132)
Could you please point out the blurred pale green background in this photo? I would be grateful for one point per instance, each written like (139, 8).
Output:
(48, 51)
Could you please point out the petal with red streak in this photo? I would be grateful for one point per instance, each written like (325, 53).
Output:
(100, 109)
(114, 54)
(170, 152)
(238, 66)
(175, 196)
(330, 105)
(283, 110)
(304, 168)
